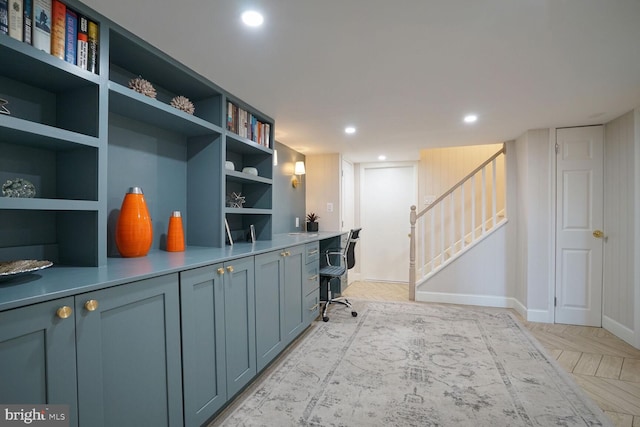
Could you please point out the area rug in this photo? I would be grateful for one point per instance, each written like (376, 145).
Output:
(414, 364)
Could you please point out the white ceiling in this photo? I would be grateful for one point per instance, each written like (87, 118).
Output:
(404, 72)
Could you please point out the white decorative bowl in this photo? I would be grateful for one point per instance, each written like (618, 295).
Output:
(250, 171)
(229, 166)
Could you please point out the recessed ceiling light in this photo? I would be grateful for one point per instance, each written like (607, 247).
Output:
(470, 118)
(349, 130)
(382, 157)
(252, 18)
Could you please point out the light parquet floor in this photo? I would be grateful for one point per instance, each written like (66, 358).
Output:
(604, 366)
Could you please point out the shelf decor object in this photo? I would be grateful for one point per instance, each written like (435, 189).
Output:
(236, 200)
(134, 231)
(250, 171)
(11, 269)
(142, 86)
(182, 103)
(3, 106)
(18, 187)
(175, 235)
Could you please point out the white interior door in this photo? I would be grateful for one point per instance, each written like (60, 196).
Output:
(387, 193)
(579, 218)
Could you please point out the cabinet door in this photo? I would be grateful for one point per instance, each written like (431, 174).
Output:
(240, 326)
(38, 356)
(293, 315)
(202, 315)
(269, 306)
(128, 353)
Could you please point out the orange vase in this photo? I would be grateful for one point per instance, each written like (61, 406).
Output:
(175, 235)
(134, 232)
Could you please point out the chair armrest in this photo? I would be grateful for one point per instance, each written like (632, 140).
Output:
(343, 256)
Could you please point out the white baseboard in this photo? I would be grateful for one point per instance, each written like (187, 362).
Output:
(465, 299)
(542, 316)
(620, 331)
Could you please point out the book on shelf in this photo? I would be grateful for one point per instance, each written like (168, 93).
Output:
(93, 40)
(27, 21)
(71, 36)
(4, 16)
(16, 18)
(246, 125)
(42, 28)
(83, 42)
(58, 23)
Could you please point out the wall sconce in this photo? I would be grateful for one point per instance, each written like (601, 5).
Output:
(298, 171)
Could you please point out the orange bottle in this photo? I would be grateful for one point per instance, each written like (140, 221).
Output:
(134, 231)
(175, 235)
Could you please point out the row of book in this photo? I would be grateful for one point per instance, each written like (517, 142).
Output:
(247, 125)
(51, 26)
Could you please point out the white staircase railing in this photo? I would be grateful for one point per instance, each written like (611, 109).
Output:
(457, 219)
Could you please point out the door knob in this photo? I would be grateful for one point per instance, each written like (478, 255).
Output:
(598, 234)
(91, 305)
(64, 312)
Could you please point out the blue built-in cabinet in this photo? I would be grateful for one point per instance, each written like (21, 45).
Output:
(84, 139)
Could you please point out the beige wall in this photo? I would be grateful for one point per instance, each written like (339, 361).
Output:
(621, 146)
(322, 187)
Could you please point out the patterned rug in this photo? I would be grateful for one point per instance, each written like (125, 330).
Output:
(413, 364)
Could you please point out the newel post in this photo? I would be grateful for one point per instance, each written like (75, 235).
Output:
(412, 255)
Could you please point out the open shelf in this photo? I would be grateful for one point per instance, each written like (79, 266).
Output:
(127, 102)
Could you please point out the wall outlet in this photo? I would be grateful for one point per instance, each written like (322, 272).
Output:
(329, 207)
(297, 222)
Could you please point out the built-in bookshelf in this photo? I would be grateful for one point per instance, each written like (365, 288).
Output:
(83, 138)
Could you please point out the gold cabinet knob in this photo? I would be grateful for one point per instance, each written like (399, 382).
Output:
(91, 305)
(64, 312)
(230, 269)
(288, 253)
(283, 254)
(598, 234)
(221, 271)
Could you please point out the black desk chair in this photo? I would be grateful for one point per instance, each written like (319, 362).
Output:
(346, 260)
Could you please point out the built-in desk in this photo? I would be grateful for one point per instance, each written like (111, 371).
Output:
(182, 332)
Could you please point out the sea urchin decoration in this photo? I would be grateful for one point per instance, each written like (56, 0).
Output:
(182, 103)
(142, 86)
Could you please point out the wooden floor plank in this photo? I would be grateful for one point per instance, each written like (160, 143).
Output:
(569, 359)
(588, 364)
(630, 370)
(610, 367)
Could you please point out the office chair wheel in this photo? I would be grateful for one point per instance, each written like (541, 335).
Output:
(325, 319)
(354, 314)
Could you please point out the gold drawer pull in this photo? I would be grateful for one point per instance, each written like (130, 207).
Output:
(314, 307)
(91, 305)
(314, 277)
(64, 312)
(313, 252)
(220, 271)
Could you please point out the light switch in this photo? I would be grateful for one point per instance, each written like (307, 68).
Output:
(329, 207)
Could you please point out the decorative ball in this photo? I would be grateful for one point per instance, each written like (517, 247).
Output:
(142, 86)
(182, 103)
